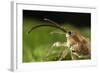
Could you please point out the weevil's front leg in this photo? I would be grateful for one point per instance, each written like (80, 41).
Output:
(49, 51)
(56, 44)
(63, 54)
(59, 44)
(74, 56)
(56, 32)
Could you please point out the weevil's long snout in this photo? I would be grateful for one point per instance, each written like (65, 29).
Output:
(50, 25)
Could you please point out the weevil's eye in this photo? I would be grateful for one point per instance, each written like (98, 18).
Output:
(69, 32)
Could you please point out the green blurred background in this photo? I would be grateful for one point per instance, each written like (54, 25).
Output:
(39, 41)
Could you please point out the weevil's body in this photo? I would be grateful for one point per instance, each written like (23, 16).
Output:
(79, 45)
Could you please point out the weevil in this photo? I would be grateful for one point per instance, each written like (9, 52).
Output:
(78, 44)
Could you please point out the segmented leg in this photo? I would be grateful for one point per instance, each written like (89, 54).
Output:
(63, 54)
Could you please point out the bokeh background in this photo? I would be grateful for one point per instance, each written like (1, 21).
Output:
(37, 44)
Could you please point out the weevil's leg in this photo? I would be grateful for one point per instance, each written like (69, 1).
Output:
(84, 56)
(56, 32)
(57, 44)
(64, 54)
(45, 58)
(60, 53)
(74, 56)
(49, 51)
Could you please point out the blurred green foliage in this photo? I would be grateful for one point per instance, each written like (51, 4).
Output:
(39, 41)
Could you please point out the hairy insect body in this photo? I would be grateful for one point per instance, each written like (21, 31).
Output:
(79, 45)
